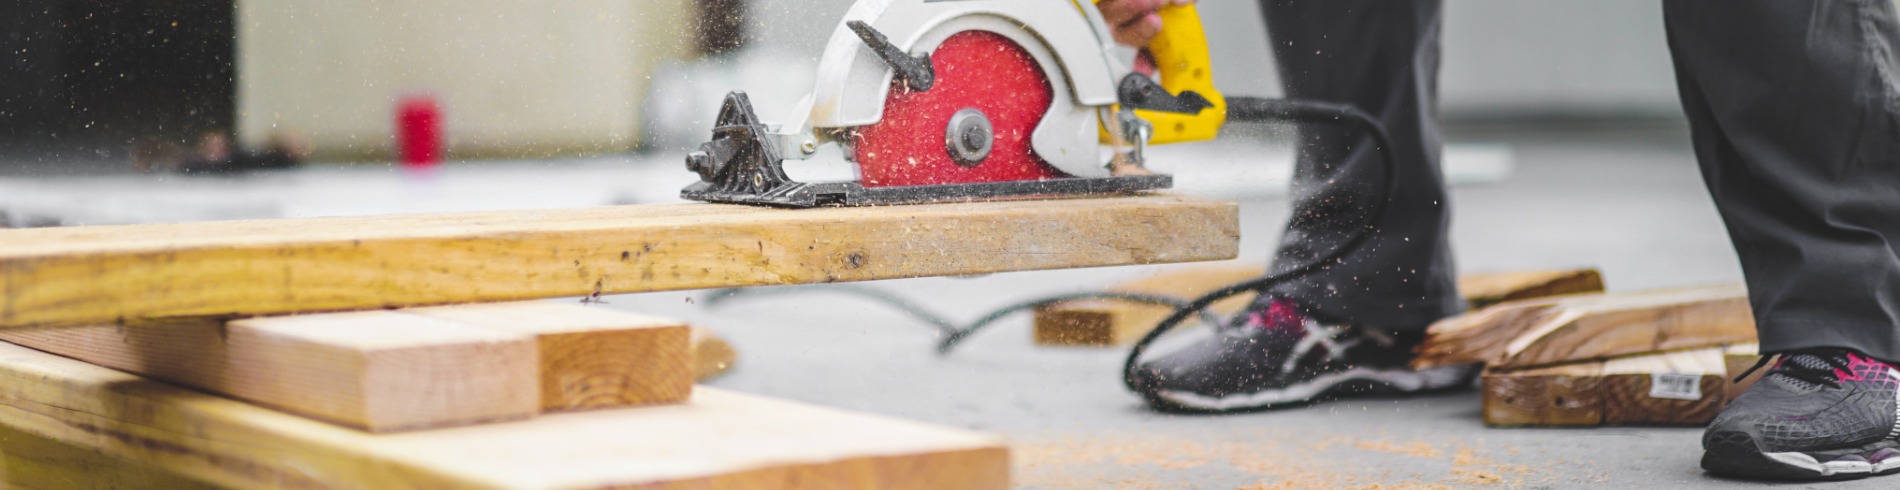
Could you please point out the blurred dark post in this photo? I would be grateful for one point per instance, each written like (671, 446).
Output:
(721, 26)
(30, 82)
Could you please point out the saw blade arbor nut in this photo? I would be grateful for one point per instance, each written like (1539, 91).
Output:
(968, 136)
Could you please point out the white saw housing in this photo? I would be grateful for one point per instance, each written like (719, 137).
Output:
(1066, 38)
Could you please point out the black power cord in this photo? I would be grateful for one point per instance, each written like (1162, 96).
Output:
(1244, 109)
(1256, 109)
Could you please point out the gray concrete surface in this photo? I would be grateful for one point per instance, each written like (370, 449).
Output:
(1625, 199)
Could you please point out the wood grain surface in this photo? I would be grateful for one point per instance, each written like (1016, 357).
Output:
(591, 357)
(374, 370)
(1101, 323)
(1545, 331)
(106, 274)
(717, 440)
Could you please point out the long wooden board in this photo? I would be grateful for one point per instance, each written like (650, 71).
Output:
(375, 370)
(718, 440)
(103, 274)
(1563, 329)
(1668, 388)
(1110, 323)
(31, 462)
(591, 357)
(405, 369)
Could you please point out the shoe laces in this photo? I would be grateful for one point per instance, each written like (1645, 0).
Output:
(1283, 314)
(1809, 368)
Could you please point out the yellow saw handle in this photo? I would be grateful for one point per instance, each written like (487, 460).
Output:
(1180, 55)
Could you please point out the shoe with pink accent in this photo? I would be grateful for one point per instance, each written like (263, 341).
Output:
(1818, 414)
(1276, 356)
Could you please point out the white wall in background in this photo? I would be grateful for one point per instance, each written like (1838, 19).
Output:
(512, 77)
(1524, 58)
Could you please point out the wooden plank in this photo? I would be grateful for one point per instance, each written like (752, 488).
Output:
(591, 357)
(376, 370)
(30, 462)
(104, 274)
(1562, 329)
(1482, 290)
(717, 440)
(1632, 395)
(1561, 396)
(712, 355)
(1113, 323)
(1622, 391)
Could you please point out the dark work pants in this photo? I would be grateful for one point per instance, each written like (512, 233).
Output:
(1382, 57)
(1795, 114)
(1793, 109)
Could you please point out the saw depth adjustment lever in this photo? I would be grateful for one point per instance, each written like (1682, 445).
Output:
(915, 71)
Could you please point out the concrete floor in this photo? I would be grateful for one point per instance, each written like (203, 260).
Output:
(1626, 200)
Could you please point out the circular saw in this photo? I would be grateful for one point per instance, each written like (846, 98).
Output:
(971, 100)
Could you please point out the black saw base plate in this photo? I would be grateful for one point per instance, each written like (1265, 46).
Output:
(816, 194)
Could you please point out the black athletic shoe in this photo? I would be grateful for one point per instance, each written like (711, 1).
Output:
(1818, 414)
(1276, 357)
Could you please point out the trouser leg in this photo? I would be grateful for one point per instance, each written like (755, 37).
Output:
(1382, 57)
(1793, 108)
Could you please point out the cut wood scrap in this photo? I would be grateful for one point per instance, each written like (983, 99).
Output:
(1482, 290)
(1739, 359)
(719, 439)
(101, 274)
(1111, 323)
(1576, 328)
(1670, 388)
(1568, 395)
(591, 357)
(375, 370)
(712, 355)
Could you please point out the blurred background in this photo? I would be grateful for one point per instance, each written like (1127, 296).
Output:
(1565, 148)
(86, 79)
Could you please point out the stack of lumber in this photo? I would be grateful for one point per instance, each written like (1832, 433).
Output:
(1651, 357)
(1685, 387)
(393, 352)
(1102, 323)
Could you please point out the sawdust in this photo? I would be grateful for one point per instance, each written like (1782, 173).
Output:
(1416, 449)
(1474, 469)
(1153, 461)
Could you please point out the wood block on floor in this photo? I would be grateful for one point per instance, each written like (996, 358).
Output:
(591, 357)
(712, 355)
(719, 439)
(107, 274)
(1558, 396)
(375, 370)
(1556, 330)
(1668, 388)
(1101, 323)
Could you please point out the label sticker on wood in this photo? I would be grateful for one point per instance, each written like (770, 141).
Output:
(1675, 386)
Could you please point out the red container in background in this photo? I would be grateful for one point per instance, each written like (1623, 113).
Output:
(418, 132)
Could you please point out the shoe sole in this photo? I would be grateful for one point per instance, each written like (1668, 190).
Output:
(1738, 456)
(1356, 380)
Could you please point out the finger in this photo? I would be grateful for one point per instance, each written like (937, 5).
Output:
(1137, 33)
(1118, 12)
